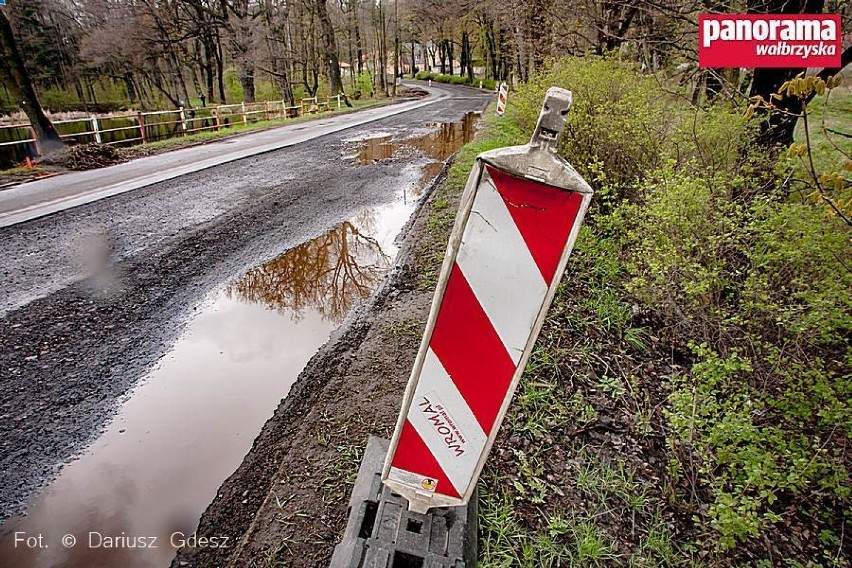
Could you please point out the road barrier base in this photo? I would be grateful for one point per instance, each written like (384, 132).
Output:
(382, 533)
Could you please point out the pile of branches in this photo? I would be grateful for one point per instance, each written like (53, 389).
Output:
(90, 156)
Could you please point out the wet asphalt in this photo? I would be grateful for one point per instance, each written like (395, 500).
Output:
(92, 297)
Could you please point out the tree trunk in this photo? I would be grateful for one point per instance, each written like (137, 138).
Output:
(220, 69)
(350, 44)
(16, 79)
(778, 128)
(467, 56)
(329, 48)
(246, 74)
(359, 49)
(209, 65)
(395, 46)
(490, 49)
(130, 84)
(382, 42)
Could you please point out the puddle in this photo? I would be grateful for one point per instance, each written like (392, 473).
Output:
(141, 487)
(440, 143)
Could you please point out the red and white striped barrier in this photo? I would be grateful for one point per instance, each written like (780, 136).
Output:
(502, 94)
(517, 223)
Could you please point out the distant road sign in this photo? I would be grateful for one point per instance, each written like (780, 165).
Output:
(501, 98)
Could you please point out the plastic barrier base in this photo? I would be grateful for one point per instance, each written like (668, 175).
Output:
(382, 533)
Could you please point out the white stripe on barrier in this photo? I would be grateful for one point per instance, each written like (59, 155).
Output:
(463, 443)
(446, 424)
(500, 270)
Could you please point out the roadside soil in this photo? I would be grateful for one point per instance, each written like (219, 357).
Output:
(286, 504)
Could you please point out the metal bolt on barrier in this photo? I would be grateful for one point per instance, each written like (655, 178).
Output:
(381, 533)
(517, 222)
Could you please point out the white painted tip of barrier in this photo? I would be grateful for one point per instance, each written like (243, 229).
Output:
(517, 223)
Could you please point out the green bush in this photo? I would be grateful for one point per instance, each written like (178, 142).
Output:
(627, 125)
(456, 80)
(684, 238)
(619, 119)
(745, 459)
(364, 84)
(747, 283)
(800, 285)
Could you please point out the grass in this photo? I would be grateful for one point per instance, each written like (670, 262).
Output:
(495, 132)
(202, 137)
(559, 501)
(408, 329)
(830, 122)
(547, 499)
(240, 128)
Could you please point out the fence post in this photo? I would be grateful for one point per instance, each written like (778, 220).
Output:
(245, 116)
(36, 143)
(266, 114)
(95, 129)
(338, 101)
(140, 118)
(182, 120)
(216, 116)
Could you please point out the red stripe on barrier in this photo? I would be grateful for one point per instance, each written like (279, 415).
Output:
(544, 215)
(471, 351)
(412, 454)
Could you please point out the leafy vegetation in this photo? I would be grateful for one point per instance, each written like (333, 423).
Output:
(688, 400)
(489, 84)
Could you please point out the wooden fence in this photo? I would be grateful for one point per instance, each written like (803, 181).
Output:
(18, 141)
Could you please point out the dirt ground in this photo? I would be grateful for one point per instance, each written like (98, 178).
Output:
(286, 504)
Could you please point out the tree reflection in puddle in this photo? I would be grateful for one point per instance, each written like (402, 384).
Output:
(440, 143)
(329, 274)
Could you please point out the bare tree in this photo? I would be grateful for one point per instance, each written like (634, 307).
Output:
(17, 80)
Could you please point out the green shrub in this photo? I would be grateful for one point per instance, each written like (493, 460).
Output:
(364, 84)
(490, 84)
(800, 285)
(683, 241)
(619, 119)
(455, 80)
(742, 282)
(628, 125)
(748, 456)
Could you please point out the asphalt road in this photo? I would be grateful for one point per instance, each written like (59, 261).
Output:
(44, 197)
(91, 297)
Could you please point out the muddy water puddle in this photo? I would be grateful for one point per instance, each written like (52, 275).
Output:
(439, 143)
(136, 494)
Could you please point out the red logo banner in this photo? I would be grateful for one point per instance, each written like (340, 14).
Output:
(769, 40)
